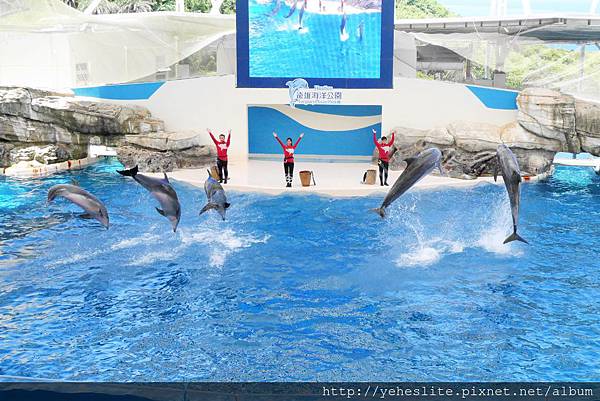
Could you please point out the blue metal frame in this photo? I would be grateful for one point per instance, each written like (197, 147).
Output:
(385, 80)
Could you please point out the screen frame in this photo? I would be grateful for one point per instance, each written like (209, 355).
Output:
(385, 80)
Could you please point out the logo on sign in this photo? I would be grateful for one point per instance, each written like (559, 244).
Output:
(300, 93)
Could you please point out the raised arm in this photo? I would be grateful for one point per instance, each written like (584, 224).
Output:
(377, 144)
(228, 138)
(279, 140)
(298, 141)
(212, 137)
(391, 142)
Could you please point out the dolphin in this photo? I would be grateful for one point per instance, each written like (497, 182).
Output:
(417, 168)
(360, 31)
(301, 14)
(94, 208)
(511, 174)
(162, 191)
(293, 9)
(343, 25)
(276, 8)
(215, 196)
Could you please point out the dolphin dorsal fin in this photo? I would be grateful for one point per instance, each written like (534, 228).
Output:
(166, 178)
(410, 160)
(75, 182)
(517, 177)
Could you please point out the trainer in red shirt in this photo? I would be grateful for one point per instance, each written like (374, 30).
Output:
(384, 156)
(383, 147)
(288, 157)
(222, 147)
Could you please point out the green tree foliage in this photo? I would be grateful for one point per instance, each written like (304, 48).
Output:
(539, 63)
(163, 5)
(421, 9)
(198, 6)
(228, 7)
(404, 8)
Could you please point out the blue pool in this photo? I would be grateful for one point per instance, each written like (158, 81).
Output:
(277, 48)
(301, 287)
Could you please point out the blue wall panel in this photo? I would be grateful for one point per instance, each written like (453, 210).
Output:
(263, 120)
(498, 99)
(141, 91)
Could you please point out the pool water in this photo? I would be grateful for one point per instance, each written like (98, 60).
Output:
(277, 48)
(301, 287)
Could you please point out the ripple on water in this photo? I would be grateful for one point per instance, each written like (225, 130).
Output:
(301, 287)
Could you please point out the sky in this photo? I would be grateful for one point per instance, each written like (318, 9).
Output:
(482, 7)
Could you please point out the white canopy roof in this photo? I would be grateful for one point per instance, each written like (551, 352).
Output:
(47, 43)
(544, 27)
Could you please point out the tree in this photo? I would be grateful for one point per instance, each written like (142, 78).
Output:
(421, 9)
(163, 5)
(228, 7)
(71, 3)
(135, 6)
(202, 6)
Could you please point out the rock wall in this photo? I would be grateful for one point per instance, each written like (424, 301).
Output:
(548, 122)
(46, 127)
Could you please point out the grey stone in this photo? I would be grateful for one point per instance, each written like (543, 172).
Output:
(151, 160)
(51, 127)
(45, 154)
(163, 141)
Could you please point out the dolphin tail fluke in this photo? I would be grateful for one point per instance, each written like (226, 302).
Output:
(132, 172)
(515, 237)
(380, 211)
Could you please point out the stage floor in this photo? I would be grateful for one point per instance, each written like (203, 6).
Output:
(335, 179)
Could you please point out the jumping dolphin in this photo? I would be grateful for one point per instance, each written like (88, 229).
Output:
(276, 8)
(511, 174)
(293, 9)
(360, 31)
(343, 26)
(301, 14)
(162, 191)
(93, 207)
(417, 168)
(215, 196)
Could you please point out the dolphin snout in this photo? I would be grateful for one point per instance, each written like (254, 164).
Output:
(174, 223)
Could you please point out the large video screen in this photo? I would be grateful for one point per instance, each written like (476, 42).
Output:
(340, 43)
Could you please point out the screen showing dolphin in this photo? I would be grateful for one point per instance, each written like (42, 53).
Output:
(343, 44)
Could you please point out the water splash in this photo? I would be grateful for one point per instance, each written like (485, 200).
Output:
(496, 227)
(485, 229)
(221, 244)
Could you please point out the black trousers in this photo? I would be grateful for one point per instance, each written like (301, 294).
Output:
(288, 168)
(383, 171)
(222, 167)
